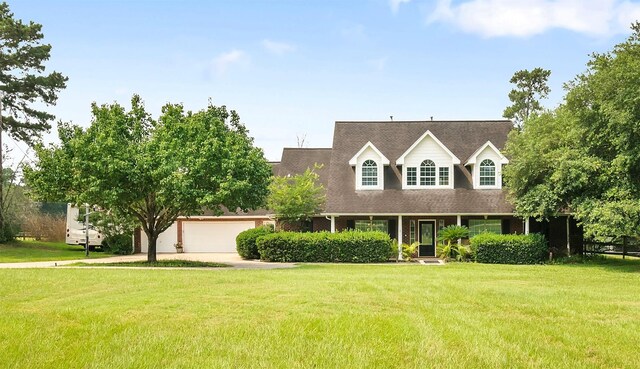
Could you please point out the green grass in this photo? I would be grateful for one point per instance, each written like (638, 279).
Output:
(159, 264)
(324, 316)
(23, 251)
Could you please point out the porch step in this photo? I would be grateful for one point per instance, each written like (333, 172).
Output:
(430, 262)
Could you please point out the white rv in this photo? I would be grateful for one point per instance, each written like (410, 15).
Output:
(76, 232)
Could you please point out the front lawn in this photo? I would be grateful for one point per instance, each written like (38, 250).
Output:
(23, 251)
(324, 316)
(158, 264)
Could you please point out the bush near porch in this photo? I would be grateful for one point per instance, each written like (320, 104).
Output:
(341, 247)
(509, 248)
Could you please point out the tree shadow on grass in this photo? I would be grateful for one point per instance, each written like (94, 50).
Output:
(604, 262)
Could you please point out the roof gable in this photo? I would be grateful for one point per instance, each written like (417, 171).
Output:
(474, 156)
(368, 145)
(428, 133)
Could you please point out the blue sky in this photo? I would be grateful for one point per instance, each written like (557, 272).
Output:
(292, 68)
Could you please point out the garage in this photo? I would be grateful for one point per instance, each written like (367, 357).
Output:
(220, 236)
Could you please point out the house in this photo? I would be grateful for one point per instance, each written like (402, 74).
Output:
(409, 179)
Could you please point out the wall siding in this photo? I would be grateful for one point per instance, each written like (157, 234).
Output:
(369, 154)
(428, 148)
(487, 153)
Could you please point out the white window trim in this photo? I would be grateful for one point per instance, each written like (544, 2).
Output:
(381, 161)
(476, 177)
(417, 186)
(472, 159)
(475, 167)
(379, 186)
(400, 160)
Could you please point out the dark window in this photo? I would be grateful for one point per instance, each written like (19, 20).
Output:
(487, 173)
(444, 176)
(369, 173)
(412, 176)
(427, 173)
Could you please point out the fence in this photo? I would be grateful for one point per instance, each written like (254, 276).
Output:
(624, 246)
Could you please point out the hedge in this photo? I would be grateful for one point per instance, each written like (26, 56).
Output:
(118, 244)
(342, 247)
(509, 248)
(246, 241)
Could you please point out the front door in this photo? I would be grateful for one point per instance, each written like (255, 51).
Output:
(427, 238)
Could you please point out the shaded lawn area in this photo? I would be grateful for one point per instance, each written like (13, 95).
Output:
(324, 316)
(25, 251)
(158, 264)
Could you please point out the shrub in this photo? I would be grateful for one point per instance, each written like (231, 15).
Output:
(42, 226)
(407, 250)
(453, 251)
(452, 233)
(120, 244)
(246, 241)
(449, 249)
(509, 248)
(342, 247)
(8, 232)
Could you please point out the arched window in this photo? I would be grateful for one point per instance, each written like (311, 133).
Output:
(487, 173)
(428, 173)
(369, 173)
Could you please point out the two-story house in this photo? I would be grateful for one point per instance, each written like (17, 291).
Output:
(411, 179)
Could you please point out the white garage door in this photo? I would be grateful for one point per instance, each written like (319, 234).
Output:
(212, 236)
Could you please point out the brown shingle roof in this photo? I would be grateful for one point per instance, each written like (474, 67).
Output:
(393, 139)
(296, 161)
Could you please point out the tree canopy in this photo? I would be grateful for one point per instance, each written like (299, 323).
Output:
(531, 87)
(154, 170)
(584, 156)
(296, 198)
(23, 85)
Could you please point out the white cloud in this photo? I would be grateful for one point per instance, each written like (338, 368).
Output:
(522, 18)
(395, 4)
(223, 61)
(277, 48)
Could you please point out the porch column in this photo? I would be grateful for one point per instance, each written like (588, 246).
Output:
(333, 224)
(526, 225)
(459, 223)
(399, 237)
(568, 238)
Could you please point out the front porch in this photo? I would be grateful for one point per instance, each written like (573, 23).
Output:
(562, 232)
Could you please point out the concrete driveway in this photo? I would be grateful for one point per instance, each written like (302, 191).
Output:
(230, 258)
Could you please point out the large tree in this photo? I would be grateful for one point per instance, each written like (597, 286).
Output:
(531, 87)
(24, 86)
(154, 171)
(584, 156)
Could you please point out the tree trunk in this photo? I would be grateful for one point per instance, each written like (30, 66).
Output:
(1, 174)
(151, 251)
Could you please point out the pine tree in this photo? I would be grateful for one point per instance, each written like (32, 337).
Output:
(23, 85)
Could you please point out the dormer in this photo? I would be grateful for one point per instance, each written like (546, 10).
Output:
(369, 163)
(427, 164)
(486, 167)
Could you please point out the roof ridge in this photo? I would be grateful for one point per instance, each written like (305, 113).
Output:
(427, 121)
(306, 148)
